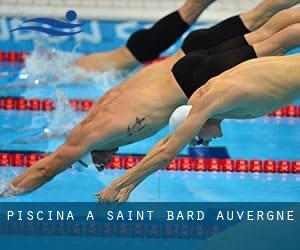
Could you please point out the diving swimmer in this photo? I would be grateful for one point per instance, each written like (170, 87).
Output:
(136, 109)
(276, 83)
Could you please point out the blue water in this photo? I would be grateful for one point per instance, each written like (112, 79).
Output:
(264, 138)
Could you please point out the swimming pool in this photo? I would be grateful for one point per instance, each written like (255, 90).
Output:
(266, 138)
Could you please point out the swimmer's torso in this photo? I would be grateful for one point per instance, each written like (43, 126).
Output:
(260, 86)
(143, 103)
(154, 90)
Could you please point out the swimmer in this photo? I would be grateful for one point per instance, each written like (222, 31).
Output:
(278, 22)
(147, 44)
(138, 108)
(276, 83)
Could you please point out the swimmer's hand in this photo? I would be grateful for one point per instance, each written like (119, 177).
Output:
(7, 190)
(109, 194)
(124, 194)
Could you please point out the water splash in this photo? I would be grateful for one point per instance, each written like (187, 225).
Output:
(63, 119)
(8, 190)
(58, 122)
(48, 66)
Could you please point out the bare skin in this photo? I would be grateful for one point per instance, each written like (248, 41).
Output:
(265, 36)
(276, 83)
(258, 16)
(114, 120)
(122, 59)
(279, 43)
(132, 111)
(278, 22)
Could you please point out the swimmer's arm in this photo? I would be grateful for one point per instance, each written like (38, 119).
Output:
(38, 174)
(47, 168)
(160, 156)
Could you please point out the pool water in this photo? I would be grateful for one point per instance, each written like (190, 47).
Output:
(263, 138)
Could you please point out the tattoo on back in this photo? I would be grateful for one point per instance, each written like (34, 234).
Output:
(137, 126)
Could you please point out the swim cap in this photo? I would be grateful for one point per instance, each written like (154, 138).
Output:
(178, 117)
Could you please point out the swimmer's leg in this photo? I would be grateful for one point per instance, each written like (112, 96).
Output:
(151, 41)
(279, 43)
(229, 34)
(256, 17)
(280, 21)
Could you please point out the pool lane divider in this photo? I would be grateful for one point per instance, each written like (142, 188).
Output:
(183, 163)
(19, 57)
(13, 56)
(8, 103)
(84, 105)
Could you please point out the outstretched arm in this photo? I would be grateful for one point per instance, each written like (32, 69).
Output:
(160, 156)
(209, 101)
(80, 140)
(44, 170)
